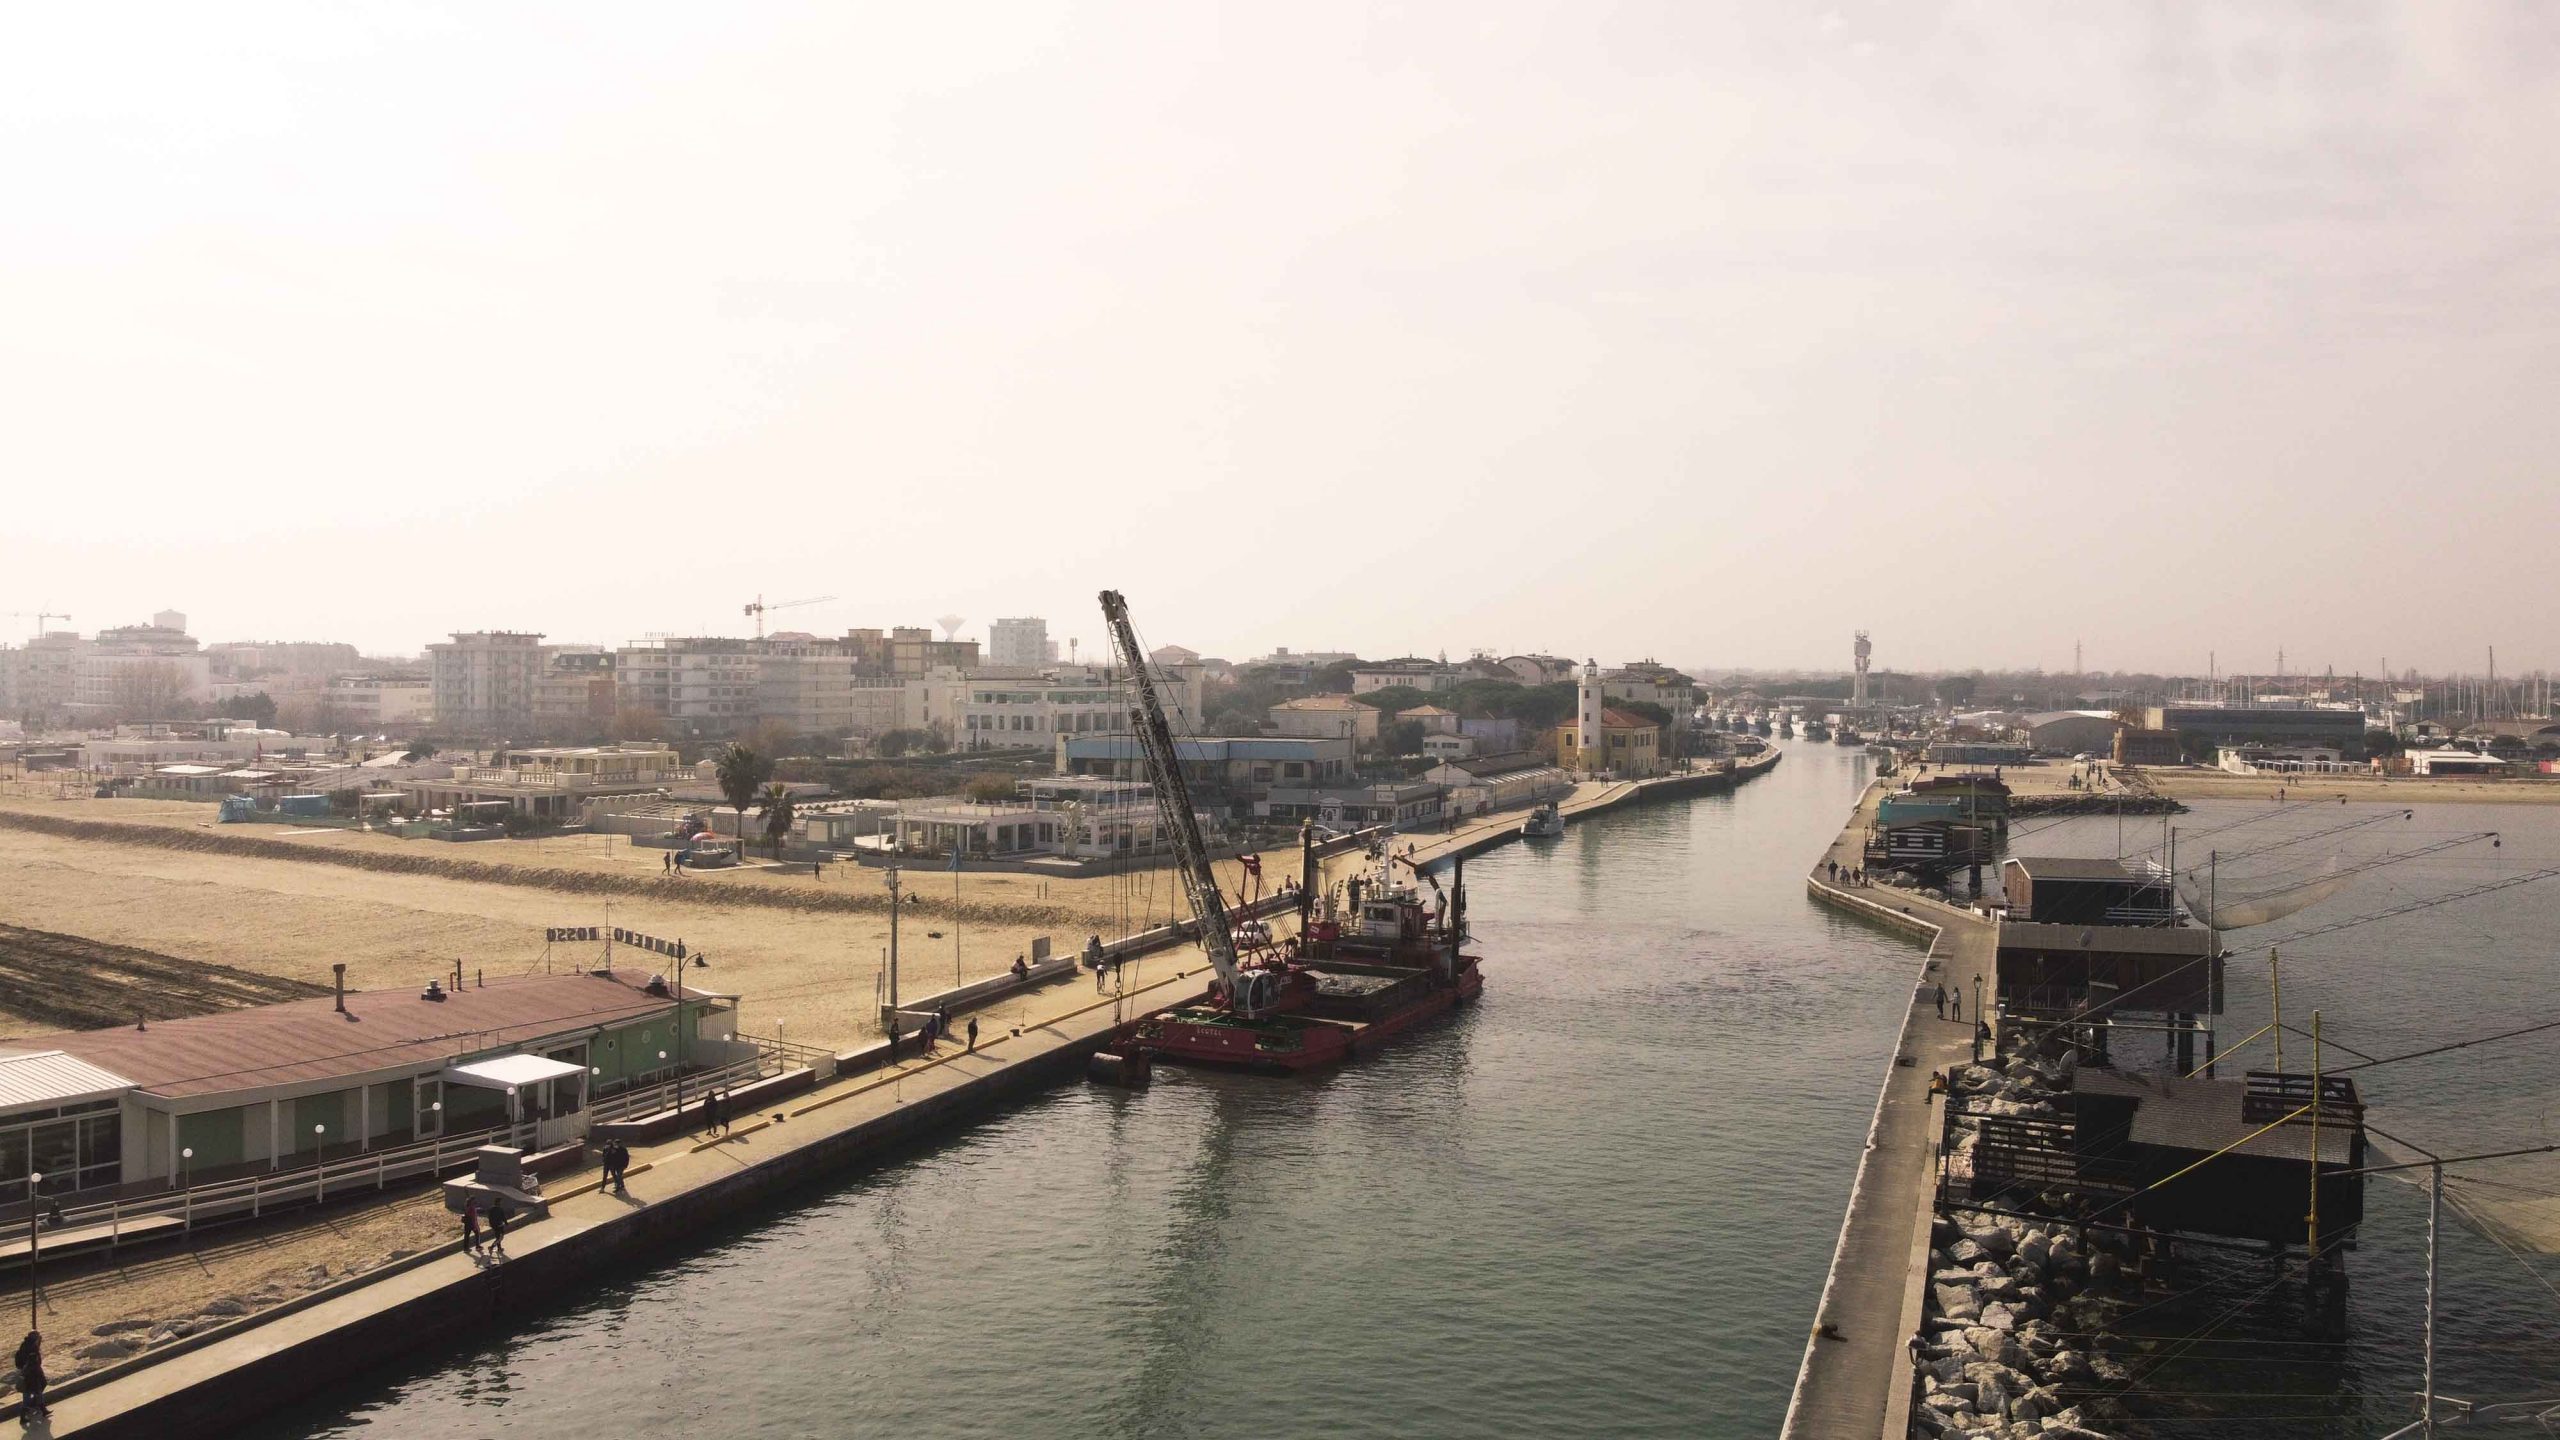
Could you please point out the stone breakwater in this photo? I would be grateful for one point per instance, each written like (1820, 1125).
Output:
(2017, 1309)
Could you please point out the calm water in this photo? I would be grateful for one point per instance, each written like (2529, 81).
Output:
(1599, 1203)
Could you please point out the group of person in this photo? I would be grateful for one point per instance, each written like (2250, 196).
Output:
(1950, 1003)
(495, 1243)
(617, 1165)
(1854, 874)
(937, 1028)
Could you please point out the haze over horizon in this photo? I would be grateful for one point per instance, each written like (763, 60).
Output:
(1712, 333)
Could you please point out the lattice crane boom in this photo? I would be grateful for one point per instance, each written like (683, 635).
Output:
(1247, 991)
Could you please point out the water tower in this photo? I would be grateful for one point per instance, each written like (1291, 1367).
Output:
(1858, 678)
(950, 625)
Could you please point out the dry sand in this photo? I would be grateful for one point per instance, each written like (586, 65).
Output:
(814, 973)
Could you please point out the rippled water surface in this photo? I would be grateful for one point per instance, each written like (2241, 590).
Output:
(1599, 1203)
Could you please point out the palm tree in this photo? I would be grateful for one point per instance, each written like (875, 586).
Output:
(778, 815)
(742, 773)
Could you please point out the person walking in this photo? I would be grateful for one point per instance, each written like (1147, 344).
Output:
(711, 1113)
(1942, 1001)
(973, 1035)
(470, 1225)
(31, 1379)
(498, 1228)
(1955, 1004)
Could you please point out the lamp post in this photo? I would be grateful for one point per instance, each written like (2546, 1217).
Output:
(893, 953)
(436, 1109)
(1978, 1024)
(320, 1162)
(35, 1289)
(186, 1190)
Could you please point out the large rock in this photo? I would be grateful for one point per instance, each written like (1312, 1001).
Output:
(1994, 1241)
(1964, 1252)
(1956, 1301)
(114, 1347)
(228, 1305)
(118, 1327)
(1999, 1317)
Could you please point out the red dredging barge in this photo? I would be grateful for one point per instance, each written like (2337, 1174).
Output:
(1366, 966)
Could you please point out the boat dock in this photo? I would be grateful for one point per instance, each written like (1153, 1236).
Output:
(1856, 1378)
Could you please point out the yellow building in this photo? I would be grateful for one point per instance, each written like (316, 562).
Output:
(1624, 745)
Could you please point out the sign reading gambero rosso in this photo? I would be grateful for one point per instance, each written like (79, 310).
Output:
(674, 949)
(566, 934)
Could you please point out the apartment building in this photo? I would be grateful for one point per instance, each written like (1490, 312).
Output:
(381, 704)
(483, 681)
(575, 695)
(701, 685)
(155, 667)
(1021, 643)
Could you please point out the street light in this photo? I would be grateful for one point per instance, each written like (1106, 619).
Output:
(320, 1162)
(35, 1290)
(1978, 1025)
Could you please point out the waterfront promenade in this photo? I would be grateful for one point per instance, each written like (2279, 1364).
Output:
(677, 1188)
(1856, 1379)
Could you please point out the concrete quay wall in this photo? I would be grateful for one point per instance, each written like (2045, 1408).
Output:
(273, 1366)
(1855, 1378)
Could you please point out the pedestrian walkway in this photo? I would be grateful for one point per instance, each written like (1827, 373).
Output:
(1856, 1378)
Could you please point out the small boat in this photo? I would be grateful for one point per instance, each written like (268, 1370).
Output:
(1816, 730)
(1543, 822)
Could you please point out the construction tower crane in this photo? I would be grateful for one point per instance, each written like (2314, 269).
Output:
(1251, 994)
(38, 616)
(757, 607)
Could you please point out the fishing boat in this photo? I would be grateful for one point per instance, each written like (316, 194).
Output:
(1370, 961)
(1545, 822)
(1816, 730)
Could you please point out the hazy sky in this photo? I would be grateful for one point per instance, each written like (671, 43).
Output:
(1700, 331)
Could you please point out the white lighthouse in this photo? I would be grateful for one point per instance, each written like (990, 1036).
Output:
(1589, 736)
(1858, 678)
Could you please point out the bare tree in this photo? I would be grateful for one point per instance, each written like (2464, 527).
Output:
(150, 690)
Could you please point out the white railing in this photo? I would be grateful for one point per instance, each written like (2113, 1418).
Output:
(254, 1195)
(666, 1094)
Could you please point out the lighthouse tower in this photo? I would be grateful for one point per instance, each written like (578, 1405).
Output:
(1858, 680)
(1589, 737)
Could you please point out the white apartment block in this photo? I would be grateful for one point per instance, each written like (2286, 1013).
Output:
(133, 663)
(381, 704)
(701, 685)
(483, 681)
(1021, 643)
(983, 710)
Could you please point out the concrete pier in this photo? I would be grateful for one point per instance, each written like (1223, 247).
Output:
(1856, 1378)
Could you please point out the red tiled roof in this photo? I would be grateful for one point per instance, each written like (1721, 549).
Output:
(1613, 718)
(306, 1040)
